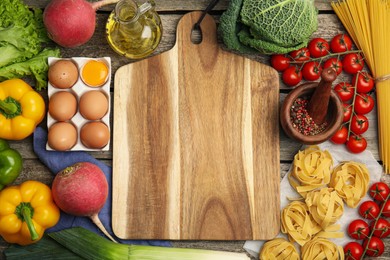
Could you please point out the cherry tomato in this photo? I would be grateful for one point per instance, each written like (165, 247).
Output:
(347, 108)
(292, 76)
(359, 124)
(302, 54)
(363, 81)
(318, 47)
(386, 209)
(356, 144)
(369, 209)
(353, 63)
(363, 104)
(379, 191)
(381, 228)
(353, 251)
(344, 90)
(375, 246)
(341, 43)
(334, 63)
(358, 229)
(341, 135)
(311, 71)
(280, 62)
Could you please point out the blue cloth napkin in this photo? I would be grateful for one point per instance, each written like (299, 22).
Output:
(57, 161)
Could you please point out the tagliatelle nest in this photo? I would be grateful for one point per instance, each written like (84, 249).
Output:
(321, 248)
(279, 249)
(325, 206)
(350, 180)
(311, 170)
(297, 223)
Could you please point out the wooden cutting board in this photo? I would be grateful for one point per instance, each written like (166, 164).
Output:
(196, 144)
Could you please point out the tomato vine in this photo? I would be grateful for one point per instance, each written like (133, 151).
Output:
(307, 64)
(379, 228)
(375, 222)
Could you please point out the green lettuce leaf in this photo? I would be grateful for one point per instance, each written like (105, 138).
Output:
(22, 36)
(22, 43)
(37, 67)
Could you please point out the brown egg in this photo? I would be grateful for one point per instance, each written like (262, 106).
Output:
(63, 74)
(93, 105)
(62, 105)
(62, 136)
(95, 135)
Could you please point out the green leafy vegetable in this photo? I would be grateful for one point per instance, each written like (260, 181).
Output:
(22, 35)
(92, 246)
(45, 249)
(274, 26)
(37, 67)
(229, 27)
(80, 243)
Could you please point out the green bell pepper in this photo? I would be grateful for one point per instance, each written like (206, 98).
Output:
(11, 164)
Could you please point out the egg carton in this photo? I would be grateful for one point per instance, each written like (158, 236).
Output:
(78, 89)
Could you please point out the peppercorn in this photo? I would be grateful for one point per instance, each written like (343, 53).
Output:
(302, 121)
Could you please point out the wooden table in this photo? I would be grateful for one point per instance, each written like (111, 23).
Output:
(171, 11)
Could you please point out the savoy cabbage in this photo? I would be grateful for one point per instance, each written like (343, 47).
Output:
(269, 26)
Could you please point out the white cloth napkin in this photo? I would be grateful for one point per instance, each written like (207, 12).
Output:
(339, 154)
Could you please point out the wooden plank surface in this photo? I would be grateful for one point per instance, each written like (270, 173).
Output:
(196, 167)
(171, 11)
(179, 5)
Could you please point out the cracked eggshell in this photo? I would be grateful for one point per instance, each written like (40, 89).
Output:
(96, 108)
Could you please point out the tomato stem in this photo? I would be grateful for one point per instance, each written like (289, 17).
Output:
(353, 107)
(338, 54)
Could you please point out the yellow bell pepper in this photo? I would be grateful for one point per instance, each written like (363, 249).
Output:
(26, 211)
(21, 109)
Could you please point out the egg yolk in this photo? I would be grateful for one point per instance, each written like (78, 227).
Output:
(94, 73)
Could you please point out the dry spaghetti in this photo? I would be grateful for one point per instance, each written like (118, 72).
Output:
(350, 180)
(311, 170)
(367, 22)
(279, 249)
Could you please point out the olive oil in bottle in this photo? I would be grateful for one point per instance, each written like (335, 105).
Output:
(134, 30)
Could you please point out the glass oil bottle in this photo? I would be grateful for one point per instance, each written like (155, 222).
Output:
(134, 30)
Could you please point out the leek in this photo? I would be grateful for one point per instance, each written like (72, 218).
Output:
(45, 249)
(92, 246)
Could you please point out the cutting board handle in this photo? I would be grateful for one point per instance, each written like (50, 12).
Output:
(208, 30)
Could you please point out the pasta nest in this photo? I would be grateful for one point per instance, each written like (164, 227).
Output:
(350, 180)
(298, 223)
(311, 170)
(279, 249)
(321, 248)
(325, 206)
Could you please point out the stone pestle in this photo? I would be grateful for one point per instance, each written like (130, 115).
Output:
(319, 101)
